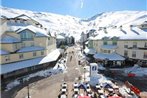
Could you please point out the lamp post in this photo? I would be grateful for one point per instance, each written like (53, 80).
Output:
(28, 91)
(84, 74)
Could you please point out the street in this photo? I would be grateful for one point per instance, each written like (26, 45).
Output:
(50, 86)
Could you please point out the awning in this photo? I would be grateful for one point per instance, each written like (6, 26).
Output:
(90, 51)
(53, 56)
(111, 56)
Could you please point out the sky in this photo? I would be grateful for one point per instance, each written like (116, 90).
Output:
(77, 8)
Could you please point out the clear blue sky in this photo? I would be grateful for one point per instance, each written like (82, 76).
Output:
(77, 8)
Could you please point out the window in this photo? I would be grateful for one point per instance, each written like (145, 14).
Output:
(23, 44)
(105, 51)
(15, 21)
(20, 56)
(126, 53)
(109, 51)
(16, 46)
(145, 45)
(105, 43)
(145, 54)
(7, 58)
(42, 52)
(49, 41)
(93, 68)
(134, 54)
(114, 42)
(34, 53)
(134, 44)
(25, 35)
(21, 21)
(126, 45)
(32, 44)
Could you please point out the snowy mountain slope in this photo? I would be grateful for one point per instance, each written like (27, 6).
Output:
(74, 26)
(118, 18)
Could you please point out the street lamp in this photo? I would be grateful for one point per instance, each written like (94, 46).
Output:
(28, 91)
(84, 73)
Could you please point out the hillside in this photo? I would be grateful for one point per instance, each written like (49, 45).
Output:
(74, 26)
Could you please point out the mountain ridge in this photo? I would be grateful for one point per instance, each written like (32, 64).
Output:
(75, 26)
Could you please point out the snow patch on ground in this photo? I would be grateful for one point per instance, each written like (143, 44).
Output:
(137, 70)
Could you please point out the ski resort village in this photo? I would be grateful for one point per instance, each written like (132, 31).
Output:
(46, 55)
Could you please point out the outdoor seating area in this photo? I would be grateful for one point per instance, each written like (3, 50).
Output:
(85, 90)
(107, 91)
(78, 90)
(63, 91)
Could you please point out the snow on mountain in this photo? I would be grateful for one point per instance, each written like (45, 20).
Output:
(74, 26)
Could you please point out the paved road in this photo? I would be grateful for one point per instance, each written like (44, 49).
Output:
(50, 87)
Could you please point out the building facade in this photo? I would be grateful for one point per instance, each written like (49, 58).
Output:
(23, 39)
(131, 45)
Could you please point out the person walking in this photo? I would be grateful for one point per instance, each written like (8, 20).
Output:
(70, 58)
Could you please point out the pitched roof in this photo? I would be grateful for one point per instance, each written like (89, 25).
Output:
(3, 52)
(89, 51)
(31, 48)
(126, 33)
(111, 56)
(38, 31)
(53, 56)
(25, 17)
(9, 39)
(60, 37)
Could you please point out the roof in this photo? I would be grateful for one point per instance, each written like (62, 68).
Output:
(86, 42)
(111, 56)
(25, 17)
(31, 48)
(93, 64)
(3, 52)
(109, 46)
(6, 68)
(52, 56)
(9, 39)
(89, 51)
(36, 30)
(127, 33)
(60, 37)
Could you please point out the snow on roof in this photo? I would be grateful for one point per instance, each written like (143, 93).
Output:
(23, 16)
(93, 64)
(6, 68)
(38, 31)
(9, 39)
(89, 51)
(109, 46)
(60, 37)
(52, 56)
(31, 48)
(125, 33)
(53, 34)
(112, 56)
(3, 52)
(86, 42)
